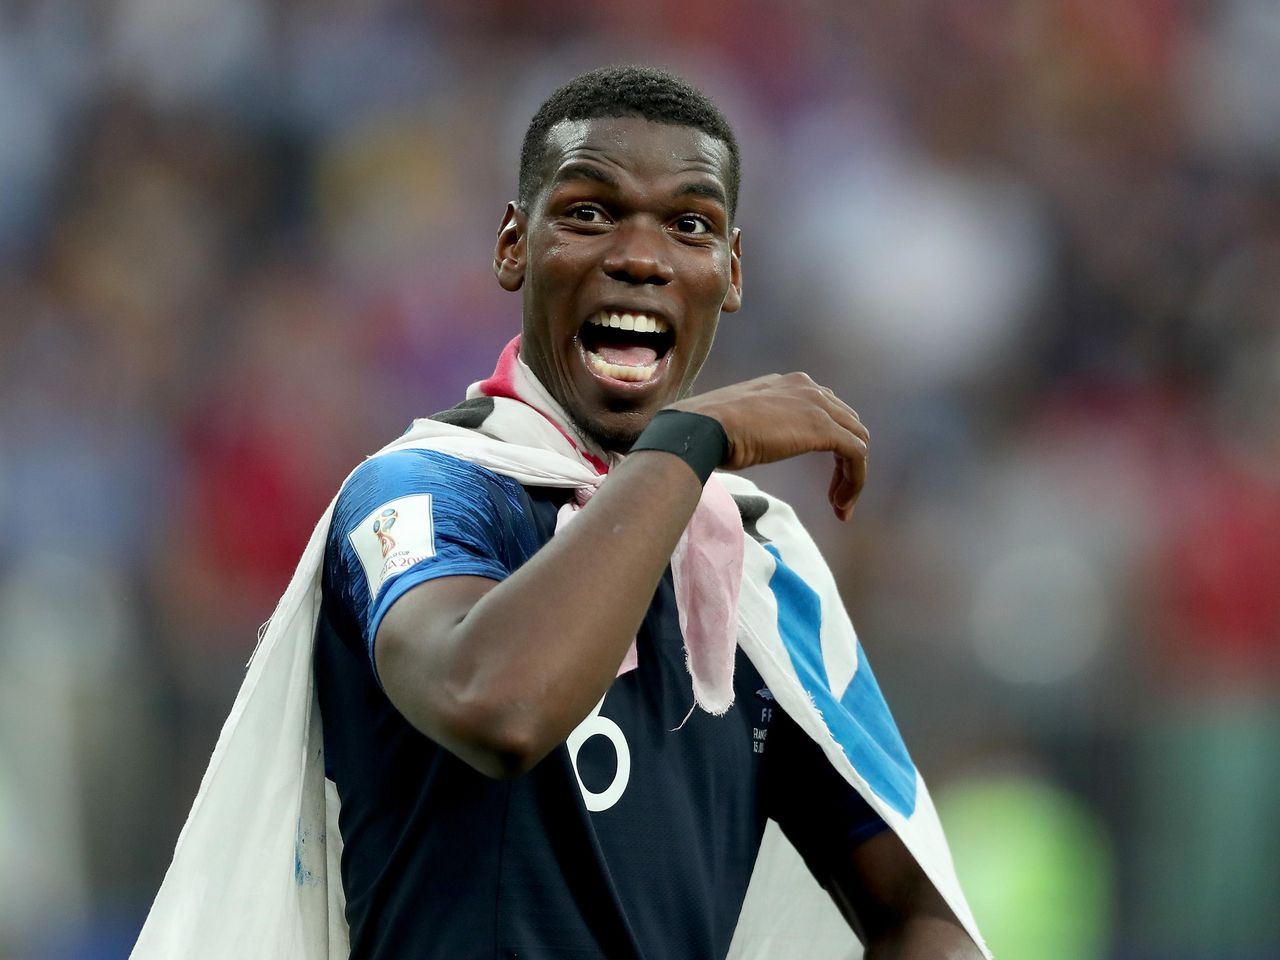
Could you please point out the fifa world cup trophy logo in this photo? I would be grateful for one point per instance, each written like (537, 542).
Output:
(386, 520)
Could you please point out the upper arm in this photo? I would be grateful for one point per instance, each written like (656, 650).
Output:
(893, 906)
(420, 660)
(409, 518)
(878, 885)
(872, 877)
(418, 538)
(821, 814)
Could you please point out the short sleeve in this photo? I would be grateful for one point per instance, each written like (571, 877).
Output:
(416, 515)
(820, 813)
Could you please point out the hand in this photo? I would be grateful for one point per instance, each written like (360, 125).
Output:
(780, 416)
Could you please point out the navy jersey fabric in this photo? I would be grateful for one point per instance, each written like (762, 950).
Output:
(635, 839)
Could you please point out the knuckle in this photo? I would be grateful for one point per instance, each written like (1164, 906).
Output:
(821, 420)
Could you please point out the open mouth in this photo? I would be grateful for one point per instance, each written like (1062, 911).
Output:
(625, 346)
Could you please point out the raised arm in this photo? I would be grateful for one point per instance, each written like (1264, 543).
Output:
(499, 673)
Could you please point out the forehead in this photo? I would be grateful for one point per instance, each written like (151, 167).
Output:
(637, 148)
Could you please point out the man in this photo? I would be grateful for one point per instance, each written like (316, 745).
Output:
(566, 673)
(506, 712)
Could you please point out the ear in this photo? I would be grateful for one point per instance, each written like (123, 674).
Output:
(733, 299)
(509, 252)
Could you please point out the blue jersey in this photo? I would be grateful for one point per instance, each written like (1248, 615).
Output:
(634, 839)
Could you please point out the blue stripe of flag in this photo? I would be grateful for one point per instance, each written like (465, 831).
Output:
(860, 720)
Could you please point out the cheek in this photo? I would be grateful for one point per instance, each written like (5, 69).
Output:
(710, 279)
(557, 272)
(558, 253)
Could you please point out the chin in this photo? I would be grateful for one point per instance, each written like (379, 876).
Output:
(615, 433)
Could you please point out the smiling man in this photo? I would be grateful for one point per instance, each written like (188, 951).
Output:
(623, 244)
(510, 700)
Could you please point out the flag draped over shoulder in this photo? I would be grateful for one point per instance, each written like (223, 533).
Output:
(255, 871)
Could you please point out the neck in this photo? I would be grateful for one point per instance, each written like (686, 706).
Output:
(515, 380)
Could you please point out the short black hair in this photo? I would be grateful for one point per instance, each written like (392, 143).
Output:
(624, 91)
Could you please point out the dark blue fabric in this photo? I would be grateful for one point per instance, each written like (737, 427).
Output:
(443, 862)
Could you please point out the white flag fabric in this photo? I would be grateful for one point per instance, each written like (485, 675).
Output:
(255, 870)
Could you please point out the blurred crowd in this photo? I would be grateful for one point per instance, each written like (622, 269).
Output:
(1036, 243)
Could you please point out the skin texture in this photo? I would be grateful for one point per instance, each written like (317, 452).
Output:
(631, 217)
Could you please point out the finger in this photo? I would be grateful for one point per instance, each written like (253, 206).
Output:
(844, 489)
(850, 472)
(835, 495)
(837, 492)
(852, 475)
(847, 417)
(852, 456)
(850, 444)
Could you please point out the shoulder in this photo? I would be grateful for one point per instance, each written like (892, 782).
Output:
(423, 513)
(411, 482)
(418, 468)
(416, 471)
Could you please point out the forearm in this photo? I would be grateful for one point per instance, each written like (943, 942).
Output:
(499, 673)
(517, 671)
(549, 639)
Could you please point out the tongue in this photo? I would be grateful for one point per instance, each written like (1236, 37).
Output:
(636, 356)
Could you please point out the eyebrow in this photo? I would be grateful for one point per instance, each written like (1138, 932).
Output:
(583, 171)
(708, 191)
(586, 171)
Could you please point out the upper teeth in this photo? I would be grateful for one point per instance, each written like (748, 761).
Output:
(639, 322)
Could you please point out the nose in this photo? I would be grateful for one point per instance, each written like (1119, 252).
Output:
(638, 256)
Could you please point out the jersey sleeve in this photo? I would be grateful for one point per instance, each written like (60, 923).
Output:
(415, 515)
(821, 814)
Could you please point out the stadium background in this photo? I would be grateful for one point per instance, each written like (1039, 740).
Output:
(1035, 242)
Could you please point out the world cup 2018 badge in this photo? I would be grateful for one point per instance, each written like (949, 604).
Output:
(384, 522)
(392, 537)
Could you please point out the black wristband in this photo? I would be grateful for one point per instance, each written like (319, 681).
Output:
(698, 440)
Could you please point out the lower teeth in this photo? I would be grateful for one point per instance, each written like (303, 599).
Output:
(618, 371)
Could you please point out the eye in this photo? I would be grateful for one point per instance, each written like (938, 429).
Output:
(585, 213)
(691, 224)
